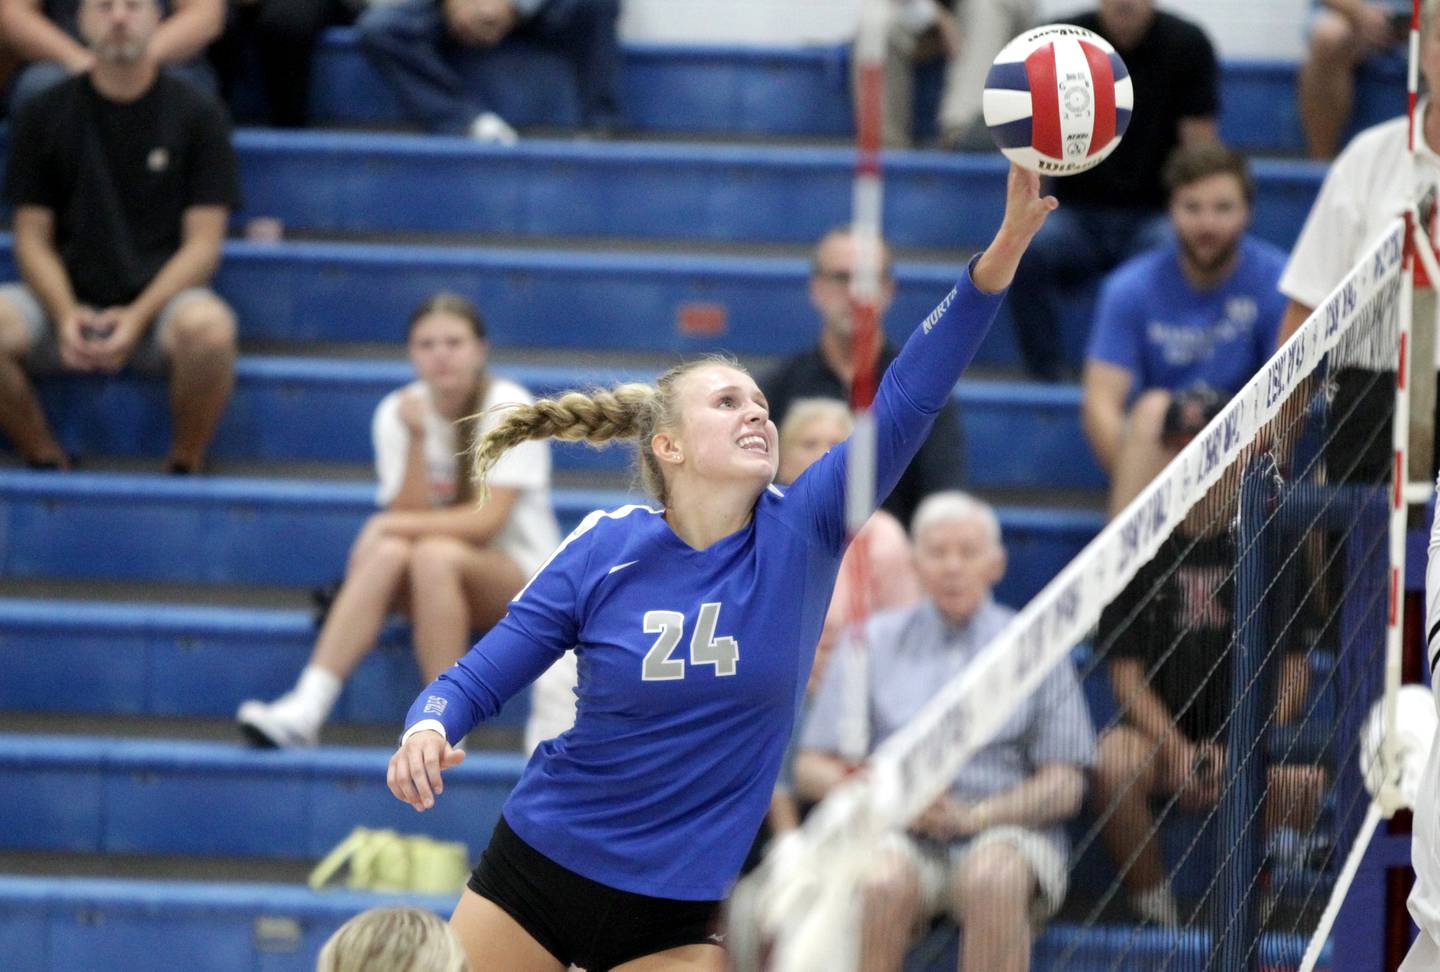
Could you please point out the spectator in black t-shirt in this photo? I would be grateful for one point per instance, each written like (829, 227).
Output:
(47, 34)
(827, 370)
(122, 181)
(1117, 209)
(1171, 635)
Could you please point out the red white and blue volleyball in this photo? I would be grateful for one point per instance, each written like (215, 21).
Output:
(1058, 99)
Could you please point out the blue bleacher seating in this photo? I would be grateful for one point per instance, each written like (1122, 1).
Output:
(320, 410)
(787, 91)
(216, 530)
(348, 182)
(651, 303)
(144, 796)
(60, 924)
(190, 660)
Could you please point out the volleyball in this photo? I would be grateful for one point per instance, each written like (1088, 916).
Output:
(1057, 99)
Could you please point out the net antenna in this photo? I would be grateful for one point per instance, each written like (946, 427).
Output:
(867, 211)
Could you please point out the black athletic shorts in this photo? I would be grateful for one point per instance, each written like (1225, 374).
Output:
(580, 921)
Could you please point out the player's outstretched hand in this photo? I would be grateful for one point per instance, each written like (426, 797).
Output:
(414, 773)
(1025, 212)
(1025, 208)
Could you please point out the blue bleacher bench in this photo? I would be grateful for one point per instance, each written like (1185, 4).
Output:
(74, 924)
(782, 91)
(215, 530)
(169, 796)
(562, 300)
(353, 182)
(1017, 434)
(190, 660)
(61, 924)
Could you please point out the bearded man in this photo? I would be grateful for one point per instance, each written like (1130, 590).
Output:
(1182, 327)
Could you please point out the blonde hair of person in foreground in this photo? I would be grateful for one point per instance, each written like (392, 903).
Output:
(393, 940)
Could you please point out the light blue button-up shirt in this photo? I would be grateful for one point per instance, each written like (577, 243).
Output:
(913, 652)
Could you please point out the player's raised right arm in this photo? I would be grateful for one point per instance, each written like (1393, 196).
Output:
(1025, 212)
(921, 379)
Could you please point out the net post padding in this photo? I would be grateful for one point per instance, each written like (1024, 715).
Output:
(912, 767)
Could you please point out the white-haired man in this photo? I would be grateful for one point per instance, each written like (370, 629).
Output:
(991, 852)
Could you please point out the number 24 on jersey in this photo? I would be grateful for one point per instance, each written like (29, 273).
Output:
(705, 648)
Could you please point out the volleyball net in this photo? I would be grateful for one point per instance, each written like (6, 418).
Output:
(1230, 644)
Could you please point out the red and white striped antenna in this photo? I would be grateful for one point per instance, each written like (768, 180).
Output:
(865, 282)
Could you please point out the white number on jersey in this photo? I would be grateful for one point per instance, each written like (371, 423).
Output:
(659, 666)
(705, 648)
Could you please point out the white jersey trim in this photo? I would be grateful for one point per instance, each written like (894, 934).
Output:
(585, 526)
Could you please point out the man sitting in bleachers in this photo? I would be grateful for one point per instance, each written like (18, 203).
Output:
(1182, 327)
(122, 180)
(420, 45)
(991, 852)
(827, 370)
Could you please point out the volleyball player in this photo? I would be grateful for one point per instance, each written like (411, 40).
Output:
(694, 626)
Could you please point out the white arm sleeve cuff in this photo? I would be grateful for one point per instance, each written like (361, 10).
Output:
(434, 725)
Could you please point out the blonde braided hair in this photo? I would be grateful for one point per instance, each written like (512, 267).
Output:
(632, 411)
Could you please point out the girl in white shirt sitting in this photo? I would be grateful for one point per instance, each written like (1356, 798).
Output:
(431, 552)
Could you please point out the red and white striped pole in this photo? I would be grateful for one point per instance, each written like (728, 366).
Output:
(865, 282)
(1412, 275)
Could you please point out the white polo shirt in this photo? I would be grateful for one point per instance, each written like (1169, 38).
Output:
(1369, 185)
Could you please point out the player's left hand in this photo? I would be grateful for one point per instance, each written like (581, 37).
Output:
(414, 771)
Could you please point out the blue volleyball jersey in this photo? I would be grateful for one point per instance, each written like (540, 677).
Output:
(692, 663)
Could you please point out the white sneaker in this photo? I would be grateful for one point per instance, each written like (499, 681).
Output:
(491, 129)
(279, 724)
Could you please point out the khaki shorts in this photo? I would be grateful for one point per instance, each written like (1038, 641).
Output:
(44, 355)
(937, 865)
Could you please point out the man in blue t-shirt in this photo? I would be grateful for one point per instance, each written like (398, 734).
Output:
(1182, 327)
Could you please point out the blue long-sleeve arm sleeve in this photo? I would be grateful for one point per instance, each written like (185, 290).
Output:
(914, 388)
(542, 623)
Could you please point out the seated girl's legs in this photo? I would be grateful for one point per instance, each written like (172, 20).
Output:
(377, 573)
(375, 579)
(495, 942)
(456, 588)
(1327, 82)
